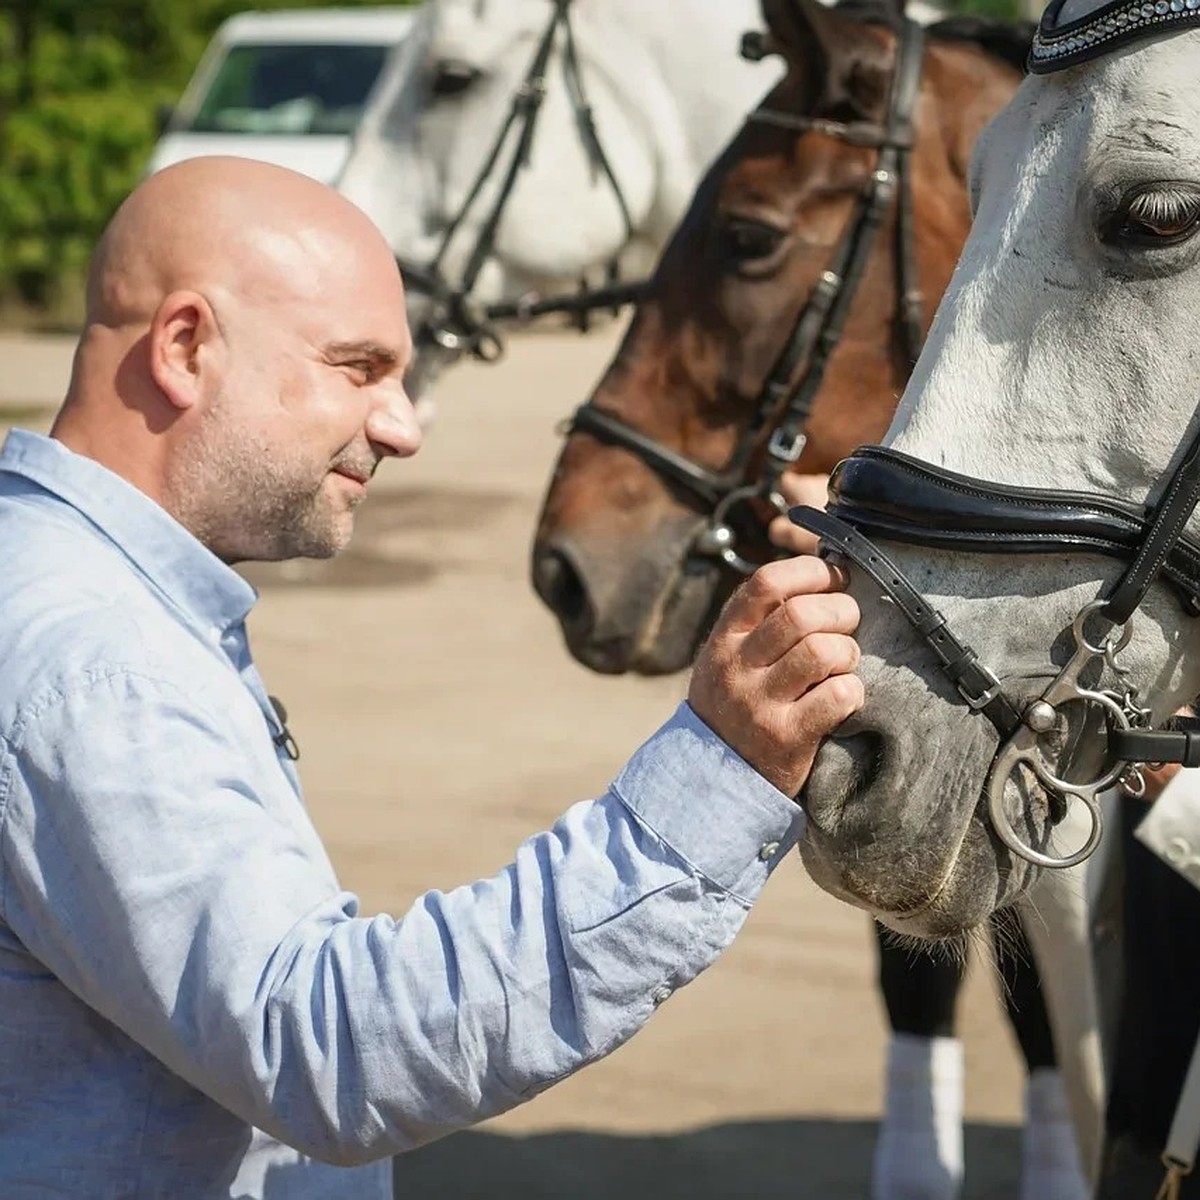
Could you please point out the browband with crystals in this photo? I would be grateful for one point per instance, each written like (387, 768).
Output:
(1056, 46)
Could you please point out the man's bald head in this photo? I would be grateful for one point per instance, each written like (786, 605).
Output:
(245, 330)
(229, 224)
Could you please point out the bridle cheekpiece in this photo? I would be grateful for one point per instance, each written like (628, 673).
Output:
(777, 432)
(456, 322)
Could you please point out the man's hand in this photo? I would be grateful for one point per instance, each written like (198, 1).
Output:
(775, 676)
(798, 489)
(1155, 779)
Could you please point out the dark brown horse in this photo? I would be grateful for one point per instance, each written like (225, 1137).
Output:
(616, 553)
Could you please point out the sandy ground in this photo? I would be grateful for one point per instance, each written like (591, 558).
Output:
(441, 721)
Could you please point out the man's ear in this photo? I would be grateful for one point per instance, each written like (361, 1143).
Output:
(183, 339)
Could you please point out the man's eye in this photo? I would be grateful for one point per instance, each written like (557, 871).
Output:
(363, 367)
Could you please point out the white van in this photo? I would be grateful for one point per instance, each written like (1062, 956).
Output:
(286, 87)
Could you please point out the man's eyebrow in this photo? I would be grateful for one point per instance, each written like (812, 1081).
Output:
(366, 349)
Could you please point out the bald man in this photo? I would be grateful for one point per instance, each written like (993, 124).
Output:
(190, 1006)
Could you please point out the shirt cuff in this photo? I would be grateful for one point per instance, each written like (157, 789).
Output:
(709, 805)
(1171, 827)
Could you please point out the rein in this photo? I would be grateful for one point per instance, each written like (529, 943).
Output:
(458, 325)
(786, 398)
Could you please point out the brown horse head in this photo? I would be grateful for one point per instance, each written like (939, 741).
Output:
(615, 553)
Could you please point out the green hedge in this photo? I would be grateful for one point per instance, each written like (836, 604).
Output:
(81, 82)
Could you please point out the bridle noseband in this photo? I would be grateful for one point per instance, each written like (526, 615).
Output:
(456, 324)
(786, 399)
(878, 492)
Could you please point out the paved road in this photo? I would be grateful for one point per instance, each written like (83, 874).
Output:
(34, 370)
(441, 722)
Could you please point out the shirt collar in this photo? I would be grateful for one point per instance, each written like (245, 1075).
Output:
(178, 565)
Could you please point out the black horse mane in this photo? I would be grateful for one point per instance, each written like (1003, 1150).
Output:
(1008, 41)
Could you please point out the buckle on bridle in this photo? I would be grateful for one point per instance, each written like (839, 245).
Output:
(982, 701)
(787, 447)
(979, 674)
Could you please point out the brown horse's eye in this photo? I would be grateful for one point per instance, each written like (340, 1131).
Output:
(744, 241)
(1164, 214)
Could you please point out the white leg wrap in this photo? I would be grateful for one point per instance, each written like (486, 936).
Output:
(919, 1152)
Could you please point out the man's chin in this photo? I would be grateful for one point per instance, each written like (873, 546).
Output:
(331, 543)
(318, 544)
(339, 535)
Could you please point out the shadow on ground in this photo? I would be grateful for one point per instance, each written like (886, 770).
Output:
(382, 553)
(766, 1160)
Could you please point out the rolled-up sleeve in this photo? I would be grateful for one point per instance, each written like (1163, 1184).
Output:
(174, 883)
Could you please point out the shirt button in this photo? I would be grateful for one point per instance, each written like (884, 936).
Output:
(1177, 850)
(661, 993)
(769, 851)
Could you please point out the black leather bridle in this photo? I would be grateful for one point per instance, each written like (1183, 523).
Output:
(786, 398)
(455, 323)
(878, 492)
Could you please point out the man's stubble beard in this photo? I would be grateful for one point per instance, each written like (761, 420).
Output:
(251, 501)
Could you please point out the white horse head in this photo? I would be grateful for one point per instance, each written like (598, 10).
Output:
(665, 89)
(1063, 356)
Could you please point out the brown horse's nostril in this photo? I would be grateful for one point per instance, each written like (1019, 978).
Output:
(558, 582)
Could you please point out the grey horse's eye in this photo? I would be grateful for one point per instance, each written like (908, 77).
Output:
(452, 77)
(1158, 214)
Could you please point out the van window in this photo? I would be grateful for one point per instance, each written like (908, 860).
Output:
(288, 89)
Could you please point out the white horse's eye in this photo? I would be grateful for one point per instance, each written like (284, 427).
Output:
(452, 77)
(1157, 214)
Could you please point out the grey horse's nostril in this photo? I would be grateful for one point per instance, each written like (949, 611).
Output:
(559, 584)
(865, 752)
(854, 761)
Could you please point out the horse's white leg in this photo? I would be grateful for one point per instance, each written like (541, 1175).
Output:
(1050, 1160)
(919, 1147)
(1056, 920)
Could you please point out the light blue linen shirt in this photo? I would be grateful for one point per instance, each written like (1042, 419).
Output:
(189, 1004)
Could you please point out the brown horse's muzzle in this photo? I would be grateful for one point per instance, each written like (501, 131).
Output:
(641, 607)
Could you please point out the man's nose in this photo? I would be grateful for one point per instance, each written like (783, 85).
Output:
(392, 423)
